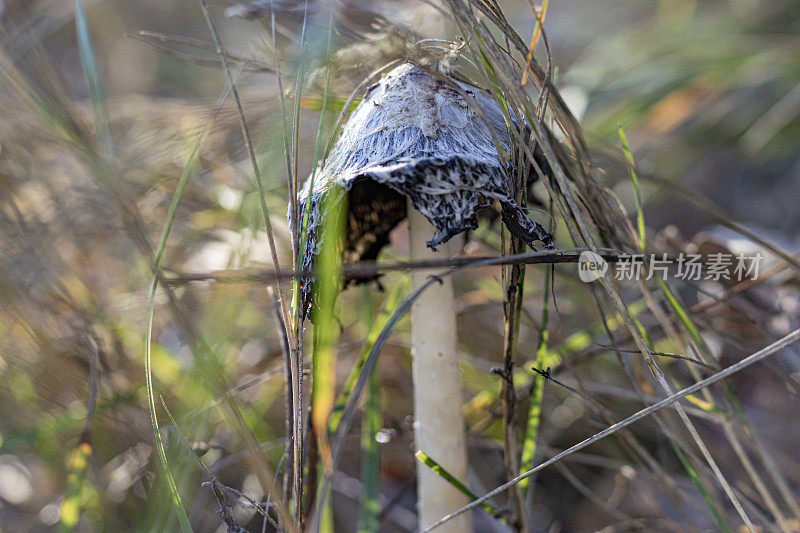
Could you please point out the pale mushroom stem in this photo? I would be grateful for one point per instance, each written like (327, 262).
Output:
(438, 419)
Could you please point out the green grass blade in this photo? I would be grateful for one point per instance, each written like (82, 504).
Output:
(683, 316)
(326, 520)
(326, 103)
(673, 301)
(723, 526)
(447, 476)
(637, 191)
(92, 76)
(370, 460)
(175, 496)
(326, 330)
(535, 410)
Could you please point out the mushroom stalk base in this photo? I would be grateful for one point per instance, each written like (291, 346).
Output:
(438, 418)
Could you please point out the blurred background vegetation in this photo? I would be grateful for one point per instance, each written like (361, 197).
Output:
(708, 94)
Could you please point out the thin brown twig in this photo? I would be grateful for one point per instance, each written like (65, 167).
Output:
(249, 64)
(661, 354)
(512, 300)
(365, 269)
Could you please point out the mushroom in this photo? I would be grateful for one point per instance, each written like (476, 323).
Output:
(428, 147)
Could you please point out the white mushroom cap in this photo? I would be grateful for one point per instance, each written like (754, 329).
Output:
(415, 135)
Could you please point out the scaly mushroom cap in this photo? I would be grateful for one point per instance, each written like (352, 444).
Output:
(415, 136)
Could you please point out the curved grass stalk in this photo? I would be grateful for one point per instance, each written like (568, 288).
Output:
(101, 120)
(151, 402)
